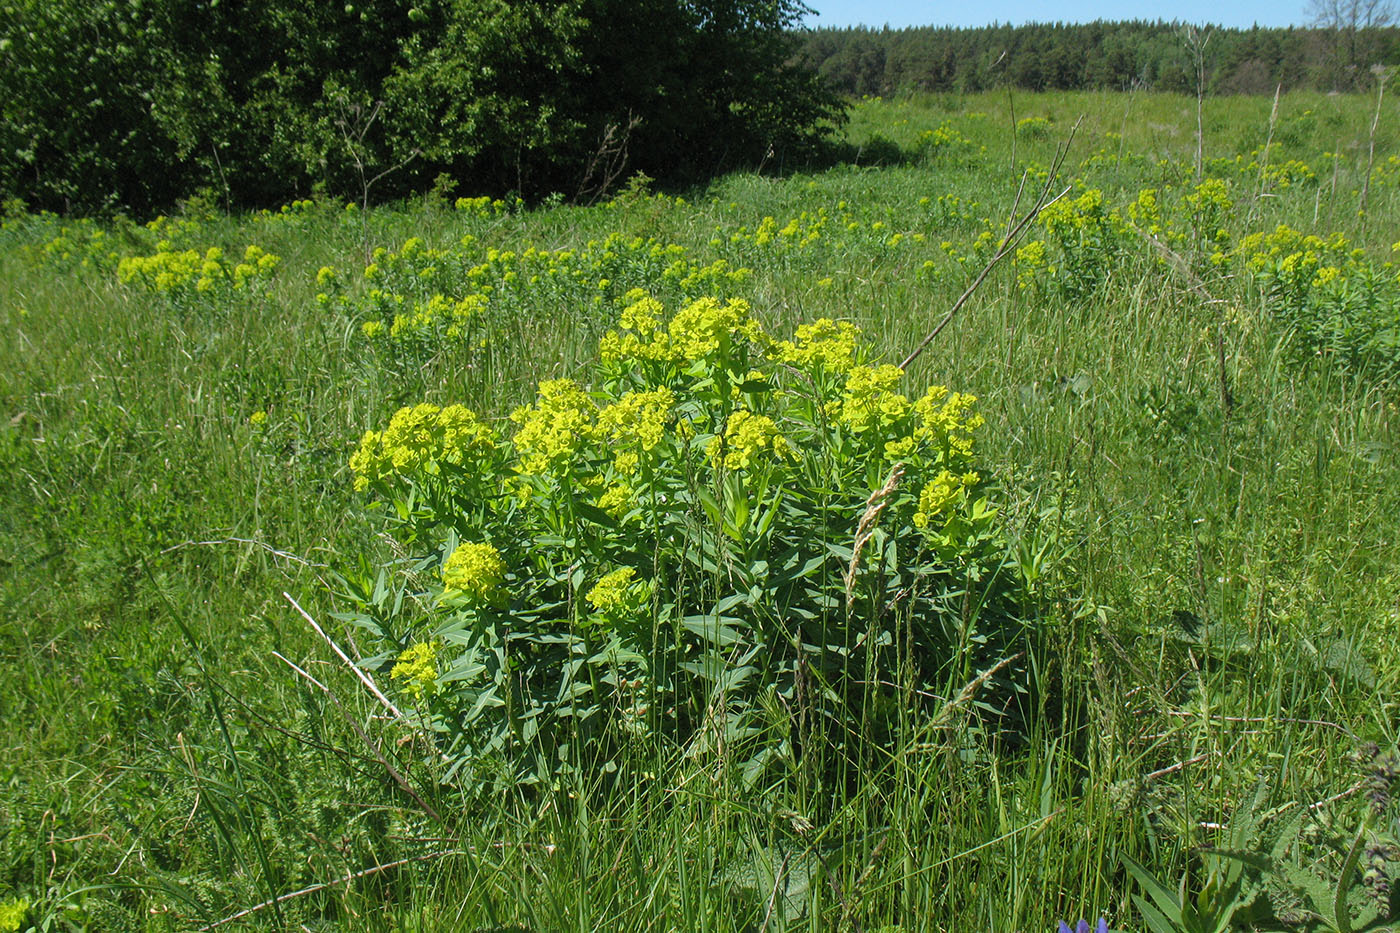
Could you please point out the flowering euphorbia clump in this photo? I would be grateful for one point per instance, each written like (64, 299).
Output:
(683, 522)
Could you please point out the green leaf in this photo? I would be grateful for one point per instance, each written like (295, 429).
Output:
(594, 514)
(1160, 893)
(1154, 918)
(711, 506)
(1339, 900)
(715, 630)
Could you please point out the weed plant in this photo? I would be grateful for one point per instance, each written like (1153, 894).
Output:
(1189, 401)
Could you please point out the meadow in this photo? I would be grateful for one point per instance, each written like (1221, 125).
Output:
(1160, 687)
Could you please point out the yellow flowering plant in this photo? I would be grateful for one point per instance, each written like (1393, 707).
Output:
(710, 516)
(420, 301)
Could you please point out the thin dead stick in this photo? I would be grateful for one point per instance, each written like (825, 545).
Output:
(353, 876)
(364, 678)
(1264, 159)
(1006, 247)
(286, 555)
(1163, 772)
(1319, 804)
(393, 772)
(1194, 282)
(1035, 824)
(1315, 805)
(1382, 75)
(1009, 242)
(778, 878)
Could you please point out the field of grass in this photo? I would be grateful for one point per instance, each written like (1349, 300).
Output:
(1190, 433)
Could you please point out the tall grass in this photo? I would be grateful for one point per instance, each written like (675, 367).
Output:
(1218, 584)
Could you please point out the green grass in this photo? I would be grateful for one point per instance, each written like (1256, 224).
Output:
(1220, 594)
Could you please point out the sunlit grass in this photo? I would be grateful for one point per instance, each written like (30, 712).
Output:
(1220, 588)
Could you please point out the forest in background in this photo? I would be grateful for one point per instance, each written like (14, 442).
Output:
(1112, 56)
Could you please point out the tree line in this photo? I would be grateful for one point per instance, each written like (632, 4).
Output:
(133, 104)
(1099, 56)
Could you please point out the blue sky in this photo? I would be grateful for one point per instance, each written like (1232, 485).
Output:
(899, 13)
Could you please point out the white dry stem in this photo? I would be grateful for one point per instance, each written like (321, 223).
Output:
(358, 671)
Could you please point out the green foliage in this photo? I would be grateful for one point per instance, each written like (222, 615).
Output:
(720, 528)
(1216, 579)
(133, 106)
(1261, 878)
(1335, 301)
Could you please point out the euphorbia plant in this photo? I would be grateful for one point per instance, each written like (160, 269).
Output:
(721, 540)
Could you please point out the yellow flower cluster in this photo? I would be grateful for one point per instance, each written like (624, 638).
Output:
(616, 499)
(943, 137)
(869, 402)
(417, 668)
(1033, 127)
(1283, 175)
(697, 331)
(825, 343)
(481, 207)
(80, 240)
(417, 439)
(615, 591)
(745, 437)
(555, 427)
(438, 313)
(945, 418)
(1031, 264)
(12, 913)
(169, 270)
(1210, 206)
(1295, 249)
(798, 233)
(1146, 211)
(464, 285)
(1069, 217)
(474, 570)
(943, 490)
(635, 423)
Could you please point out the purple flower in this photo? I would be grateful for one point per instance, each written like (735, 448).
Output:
(1083, 927)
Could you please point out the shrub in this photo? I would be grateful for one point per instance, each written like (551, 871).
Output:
(723, 541)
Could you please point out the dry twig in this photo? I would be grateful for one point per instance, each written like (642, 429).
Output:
(1014, 235)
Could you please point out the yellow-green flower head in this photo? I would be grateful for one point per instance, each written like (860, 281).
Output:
(555, 427)
(325, 276)
(943, 491)
(823, 342)
(474, 570)
(705, 325)
(745, 437)
(636, 421)
(1210, 194)
(697, 331)
(868, 402)
(1031, 263)
(945, 419)
(12, 913)
(618, 594)
(642, 315)
(418, 439)
(616, 500)
(417, 669)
